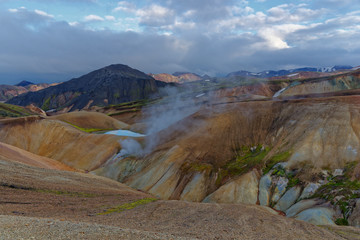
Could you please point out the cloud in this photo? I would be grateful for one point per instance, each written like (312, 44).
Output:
(92, 18)
(293, 13)
(156, 15)
(110, 18)
(42, 13)
(213, 37)
(275, 36)
(125, 6)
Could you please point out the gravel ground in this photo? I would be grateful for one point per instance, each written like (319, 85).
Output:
(16, 228)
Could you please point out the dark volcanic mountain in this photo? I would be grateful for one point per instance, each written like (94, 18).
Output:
(24, 84)
(109, 85)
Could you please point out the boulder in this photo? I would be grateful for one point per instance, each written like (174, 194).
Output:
(354, 219)
(301, 206)
(338, 172)
(309, 190)
(264, 190)
(280, 188)
(242, 190)
(288, 199)
(317, 216)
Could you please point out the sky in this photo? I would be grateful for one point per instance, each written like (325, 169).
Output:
(56, 40)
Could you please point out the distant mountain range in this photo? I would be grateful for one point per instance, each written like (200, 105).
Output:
(119, 83)
(9, 91)
(279, 73)
(113, 84)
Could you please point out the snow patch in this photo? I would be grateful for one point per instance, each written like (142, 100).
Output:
(292, 75)
(279, 92)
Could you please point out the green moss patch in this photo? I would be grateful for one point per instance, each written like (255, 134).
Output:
(247, 159)
(71, 194)
(342, 222)
(46, 103)
(56, 192)
(128, 107)
(88, 130)
(124, 111)
(132, 104)
(128, 206)
(9, 110)
(291, 176)
(196, 167)
(277, 158)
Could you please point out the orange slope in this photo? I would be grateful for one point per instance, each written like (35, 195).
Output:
(11, 153)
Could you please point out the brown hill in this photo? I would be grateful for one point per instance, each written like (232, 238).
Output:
(176, 77)
(59, 141)
(91, 120)
(165, 77)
